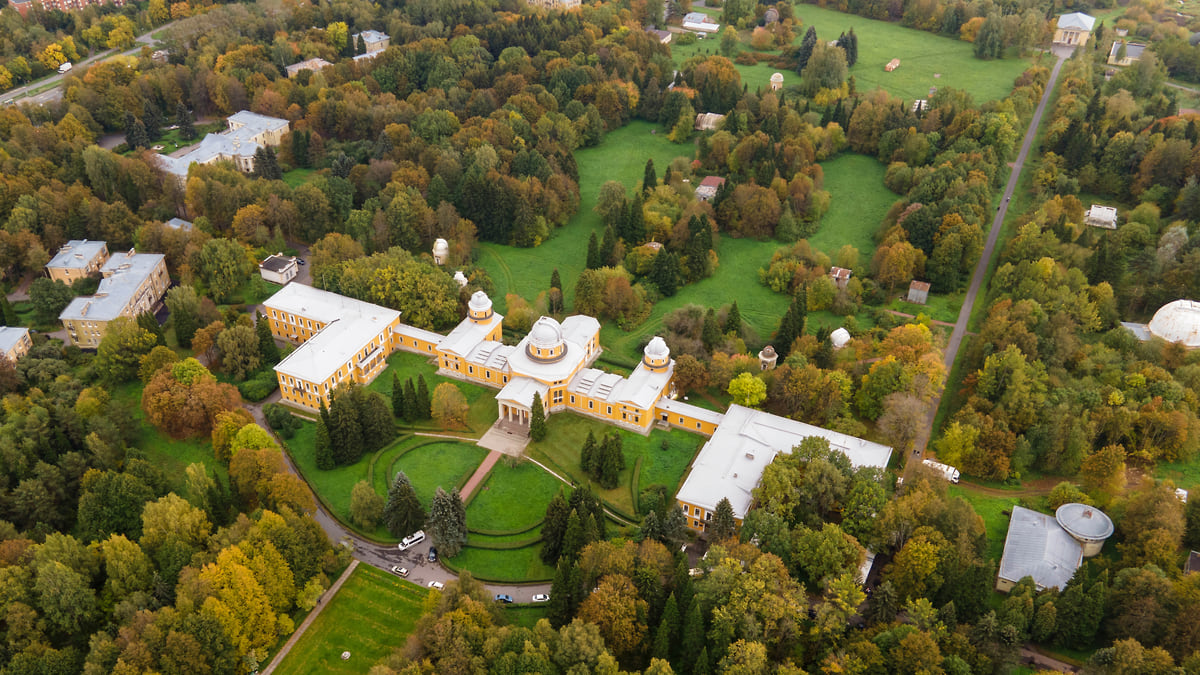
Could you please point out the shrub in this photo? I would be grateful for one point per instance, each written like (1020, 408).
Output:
(283, 422)
(259, 387)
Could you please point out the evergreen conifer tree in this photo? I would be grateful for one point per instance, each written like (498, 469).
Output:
(608, 246)
(733, 320)
(360, 45)
(399, 403)
(412, 412)
(554, 527)
(651, 527)
(152, 118)
(593, 253)
(572, 542)
(322, 444)
(424, 409)
(447, 522)
(558, 610)
(183, 117)
(635, 222)
(668, 626)
(345, 431)
(383, 145)
(555, 281)
(7, 312)
(403, 514)
(649, 176)
(807, 45)
(691, 642)
(612, 460)
(723, 524)
(537, 418)
(589, 456)
(375, 418)
(710, 334)
(267, 349)
(665, 272)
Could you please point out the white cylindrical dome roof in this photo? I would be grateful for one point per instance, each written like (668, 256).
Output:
(441, 247)
(777, 77)
(546, 333)
(657, 348)
(839, 338)
(1083, 522)
(1178, 321)
(479, 302)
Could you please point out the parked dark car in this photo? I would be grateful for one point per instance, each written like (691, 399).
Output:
(505, 598)
(432, 554)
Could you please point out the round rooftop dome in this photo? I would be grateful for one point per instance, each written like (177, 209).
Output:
(767, 352)
(479, 302)
(1085, 523)
(441, 247)
(657, 348)
(777, 77)
(1178, 321)
(546, 333)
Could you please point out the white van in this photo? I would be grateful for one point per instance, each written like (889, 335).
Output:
(65, 67)
(412, 540)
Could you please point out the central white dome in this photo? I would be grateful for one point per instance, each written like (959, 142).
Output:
(1178, 321)
(546, 333)
(657, 348)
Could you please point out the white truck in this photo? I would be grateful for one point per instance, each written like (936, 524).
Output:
(65, 67)
(951, 474)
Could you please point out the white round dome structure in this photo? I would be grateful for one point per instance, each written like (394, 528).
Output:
(479, 307)
(441, 249)
(656, 355)
(776, 81)
(1178, 321)
(1087, 524)
(546, 340)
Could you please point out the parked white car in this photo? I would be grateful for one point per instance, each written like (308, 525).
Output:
(437, 585)
(541, 597)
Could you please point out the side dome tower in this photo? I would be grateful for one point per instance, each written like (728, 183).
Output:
(479, 308)
(656, 355)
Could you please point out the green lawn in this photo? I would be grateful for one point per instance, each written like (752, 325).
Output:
(1185, 475)
(994, 520)
(371, 615)
(483, 411)
(923, 56)
(444, 464)
(168, 454)
(940, 307)
(333, 486)
(514, 565)
(513, 498)
(565, 436)
(756, 77)
(622, 157)
(526, 616)
(254, 291)
(297, 177)
(859, 204)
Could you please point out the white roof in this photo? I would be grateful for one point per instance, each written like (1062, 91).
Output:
(419, 333)
(732, 462)
(645, 386)
(491, 354)
(1037, 546)
(520, 390)
(313, 64)
(839, 338)
(11, 335)
(372, 36)
(1178, 321)
(699, 21)
(76, 254)
(688, 410)
(467, 334)
(575, 334)
(123, 275)
(350, 325)
(179, 224)
(318, 305)
(335, 345)
(1139, 330)
(1076, 21)
(579, 328)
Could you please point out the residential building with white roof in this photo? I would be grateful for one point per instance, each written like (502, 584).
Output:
(14, 342)
(76, 259)
(373, 41)
(732, 462)
(133, 283)
(247, 133)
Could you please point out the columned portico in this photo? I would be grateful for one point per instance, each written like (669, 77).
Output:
(515, 414)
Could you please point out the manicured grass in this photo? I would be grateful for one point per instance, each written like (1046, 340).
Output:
(515, 565)
(991, 509)
(527, 616)
(512, 498)
(371, 615)
(297, 177)
(168, 454)
(565, 436)
(940, 307)
(483, 412)
(332, 486)
(859, 204)
(922, 56)
(447, 465)
(1185, 475)
(254, 291)
(621, 157)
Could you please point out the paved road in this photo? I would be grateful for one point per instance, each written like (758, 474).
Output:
(964, 314)
(385, 556)
(56, 93)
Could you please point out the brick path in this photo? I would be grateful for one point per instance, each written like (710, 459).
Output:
(481, 473)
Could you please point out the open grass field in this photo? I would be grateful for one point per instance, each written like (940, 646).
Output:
(565, 436)
(859, 204)
(513, 565)
(371, 615)
(483, 412)
(526, 616)
(991, 509)
(621, 157)
(512, 498)
(756, 77)
(1185, 475)
(940, 307)
(168, 454)
(297, 177)
(446, 465)
(926, 60)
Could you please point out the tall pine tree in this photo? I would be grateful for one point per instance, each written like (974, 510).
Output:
(267, 349)
(323, 444)
(593, 253)
(649, 176)
(424, 403)
(537, 418)
(807, 45)
(448, 522)
(733, 320)
(411, 413)
(399, 402)
(403, 514)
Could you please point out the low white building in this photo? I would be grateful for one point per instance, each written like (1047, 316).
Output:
(732, 462)
(14, 342)
(1048, 548)
(1101, 216)
(373, 41)
(698, 22)
(309, 64)
(279, 268)
(247, 132)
